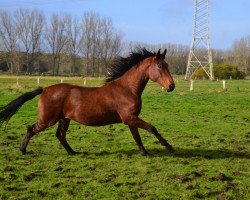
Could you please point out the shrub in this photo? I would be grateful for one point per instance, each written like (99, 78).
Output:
(199, 74)
(221, 71)
(4, 66)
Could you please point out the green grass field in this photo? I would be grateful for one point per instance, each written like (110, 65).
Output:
(209, 128)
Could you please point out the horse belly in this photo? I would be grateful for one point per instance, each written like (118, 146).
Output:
(97, 119)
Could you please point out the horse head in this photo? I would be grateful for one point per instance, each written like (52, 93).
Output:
(158, 71)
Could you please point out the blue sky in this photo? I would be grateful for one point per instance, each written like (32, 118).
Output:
(154, 21)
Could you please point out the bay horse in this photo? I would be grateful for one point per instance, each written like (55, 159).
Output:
(117, 101)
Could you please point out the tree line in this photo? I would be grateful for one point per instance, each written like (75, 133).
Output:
(61, 45)
(238, 56)
(65, 45)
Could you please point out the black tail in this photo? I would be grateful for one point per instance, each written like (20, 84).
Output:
(6, 112)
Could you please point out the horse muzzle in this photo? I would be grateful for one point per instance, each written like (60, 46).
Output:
(171, 87)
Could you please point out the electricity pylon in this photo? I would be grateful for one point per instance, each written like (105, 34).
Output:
(200, 55)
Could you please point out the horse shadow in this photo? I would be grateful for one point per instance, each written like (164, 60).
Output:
(181, 153)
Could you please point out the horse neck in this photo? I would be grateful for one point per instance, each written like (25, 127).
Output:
(135, 79)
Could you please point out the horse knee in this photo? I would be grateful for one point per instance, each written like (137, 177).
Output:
(59, 136)
(152, 129)
(30, 131)
(33, 129)
(62, 129)
(124, 119)
(129, 120)
(30, 128)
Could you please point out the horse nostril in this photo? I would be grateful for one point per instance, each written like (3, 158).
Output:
(171, 87)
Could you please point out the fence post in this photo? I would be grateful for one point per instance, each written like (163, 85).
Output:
(17, 81)
(224, 84)
(38, 81)
(85, 82)
(191, 85)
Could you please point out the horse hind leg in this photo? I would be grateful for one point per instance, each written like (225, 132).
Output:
(31, 131)
(63, 126)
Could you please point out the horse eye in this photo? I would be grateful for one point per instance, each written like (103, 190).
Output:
(159, 65)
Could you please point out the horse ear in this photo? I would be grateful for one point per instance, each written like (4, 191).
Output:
(158, 55)
(164, 53)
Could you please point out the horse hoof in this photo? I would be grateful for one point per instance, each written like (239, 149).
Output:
(150, 155)
(23, 151)
(72, 153)
(170, 148)
(147, 154)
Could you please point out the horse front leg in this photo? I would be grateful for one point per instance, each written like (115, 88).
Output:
(137, 138)
(135, 121)
(163, 142)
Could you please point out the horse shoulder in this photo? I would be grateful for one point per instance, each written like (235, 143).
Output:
(126, 101)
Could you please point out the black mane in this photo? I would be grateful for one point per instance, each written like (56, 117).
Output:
(122, 65)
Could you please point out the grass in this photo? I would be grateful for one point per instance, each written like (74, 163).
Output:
(209, 127)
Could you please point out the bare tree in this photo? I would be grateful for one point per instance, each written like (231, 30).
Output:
(8, 34)
(37, 28)
(95, 36)
(74, 40)
(110, 45)
(92, 29)
(240, 53)
(101, 42)
(86, 42)
(177, 57)
(30, 29)
(56, 36)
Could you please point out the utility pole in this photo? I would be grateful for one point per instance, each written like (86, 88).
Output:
(200, 55)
